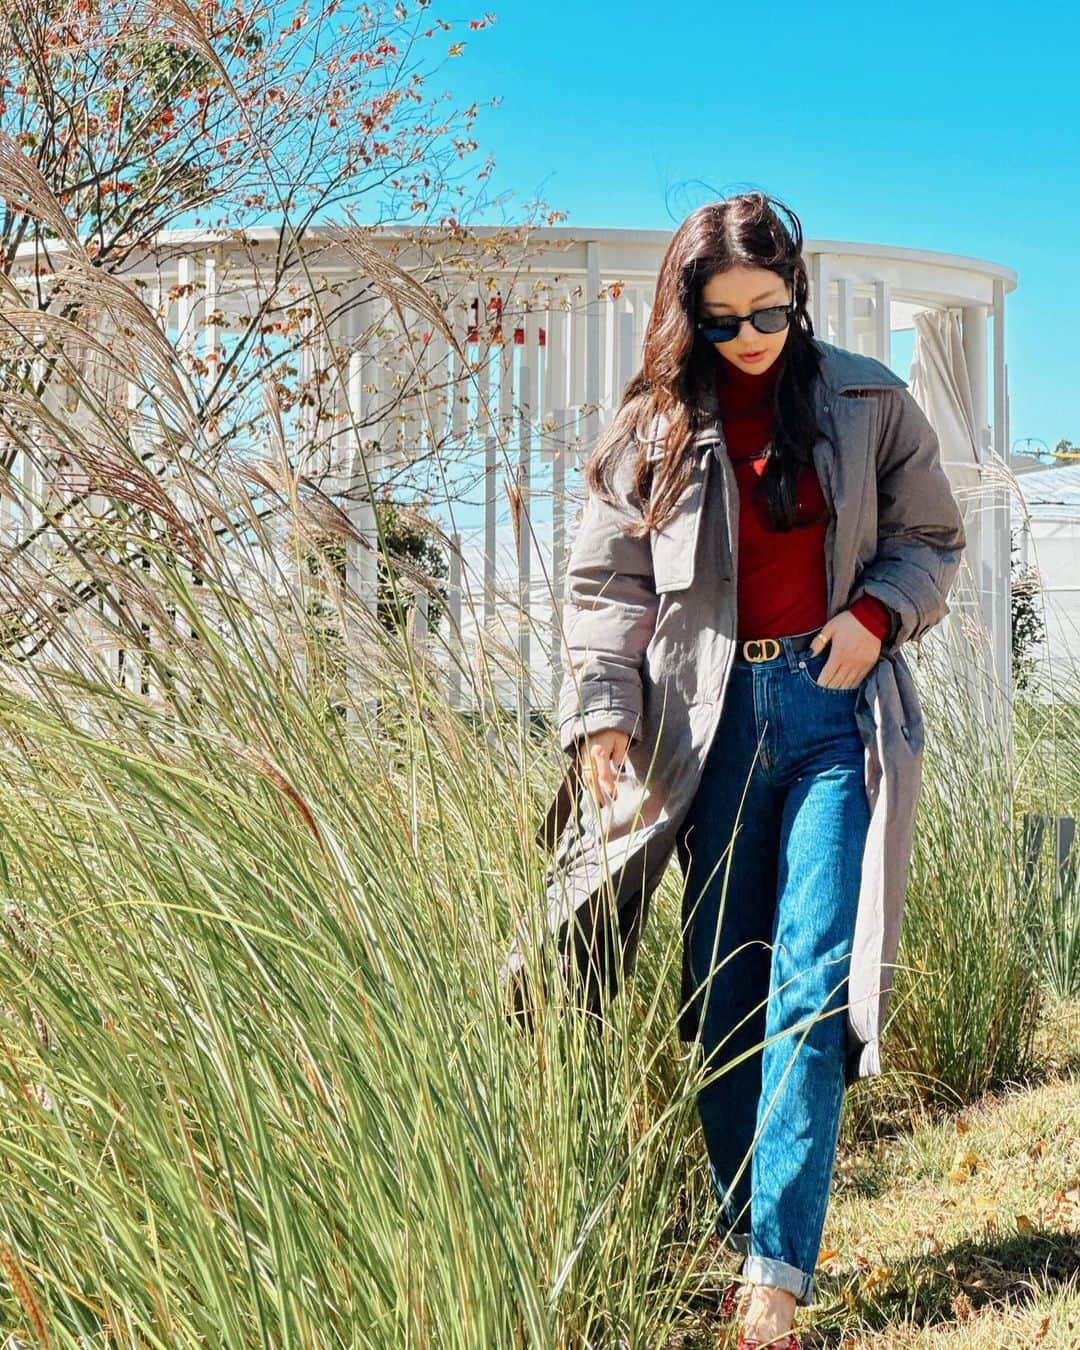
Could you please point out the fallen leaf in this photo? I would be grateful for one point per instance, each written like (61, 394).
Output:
(878, 1275)
(964, 1163)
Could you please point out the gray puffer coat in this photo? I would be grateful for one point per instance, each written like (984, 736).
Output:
(650, 629)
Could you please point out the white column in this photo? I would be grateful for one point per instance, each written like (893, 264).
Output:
(157, 295)
(455, 645)
(558, 545)
(159, 299)
(413, 416)
(973, 331)
(33, 477)
(491, 490)
(525, 398)
(592, 342)
(883, 322)
(459, 416)
(336, 397)
(845, 336)
(441, 385)
(999, 523)
(975, 597)
(609, 343)
(626, 352)
(361, 566)
(210, 327)
(819, 295)
(185, 305)
(556, 360)
(506, 380)
(578, 329)
(305, 418)
(532, 354)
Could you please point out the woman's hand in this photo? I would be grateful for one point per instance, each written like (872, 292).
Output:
(853, 653)
(600, 767)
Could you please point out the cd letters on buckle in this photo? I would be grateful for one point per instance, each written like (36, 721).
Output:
(765, 649)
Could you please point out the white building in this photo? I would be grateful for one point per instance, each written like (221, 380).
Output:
(1046, 522)
(572, 306)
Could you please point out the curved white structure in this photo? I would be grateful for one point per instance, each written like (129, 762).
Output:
(573, 305)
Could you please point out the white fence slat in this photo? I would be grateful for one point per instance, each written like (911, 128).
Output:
(558, 546)
(524, 537)
(593, 335)
(627, 355)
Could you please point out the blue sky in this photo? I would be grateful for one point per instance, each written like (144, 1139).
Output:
(948, 128)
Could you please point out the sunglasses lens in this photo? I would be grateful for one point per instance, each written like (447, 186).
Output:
(716, 330)
(770, 320)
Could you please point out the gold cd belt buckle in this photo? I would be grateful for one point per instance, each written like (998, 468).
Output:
(768, 648)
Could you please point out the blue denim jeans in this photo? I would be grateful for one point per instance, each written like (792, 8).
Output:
(770, 915)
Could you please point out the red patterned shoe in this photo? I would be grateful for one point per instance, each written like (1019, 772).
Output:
(789, 1342)
(735, 1297)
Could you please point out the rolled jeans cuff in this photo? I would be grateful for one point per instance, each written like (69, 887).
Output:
(766, 1270)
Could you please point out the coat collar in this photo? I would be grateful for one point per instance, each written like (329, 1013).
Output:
(840, 371)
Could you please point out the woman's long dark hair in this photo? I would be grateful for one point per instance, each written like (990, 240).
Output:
(678, 364)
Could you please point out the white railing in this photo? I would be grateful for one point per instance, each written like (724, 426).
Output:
(480, 417)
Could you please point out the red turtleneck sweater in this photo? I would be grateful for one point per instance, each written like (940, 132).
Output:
(782, 582)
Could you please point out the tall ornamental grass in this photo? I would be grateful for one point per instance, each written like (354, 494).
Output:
(1048, 728)
(988, 934)
(258, 1084)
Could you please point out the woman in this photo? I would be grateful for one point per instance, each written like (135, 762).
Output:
(767, 524)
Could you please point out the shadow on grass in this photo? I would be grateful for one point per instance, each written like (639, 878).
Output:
(933, 1290)
(924, 1291)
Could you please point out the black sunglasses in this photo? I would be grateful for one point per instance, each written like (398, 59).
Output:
(724, 327)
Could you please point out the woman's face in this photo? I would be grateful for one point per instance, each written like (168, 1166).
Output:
(741, 290)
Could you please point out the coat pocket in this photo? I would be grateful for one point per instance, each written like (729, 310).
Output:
(674, 547)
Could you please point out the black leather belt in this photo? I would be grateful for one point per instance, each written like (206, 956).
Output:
(767, 649)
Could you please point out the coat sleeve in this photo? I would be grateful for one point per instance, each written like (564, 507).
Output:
(608, 614)
(920, 528)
